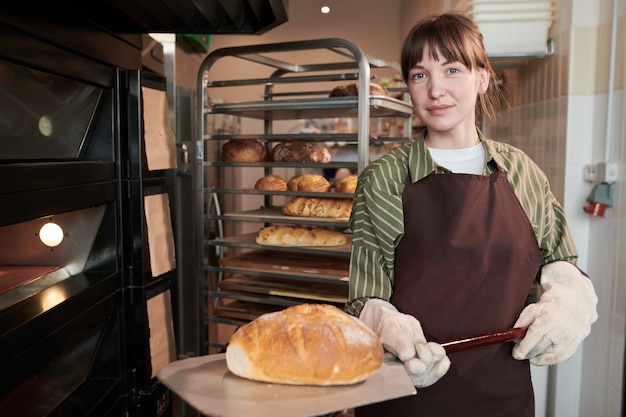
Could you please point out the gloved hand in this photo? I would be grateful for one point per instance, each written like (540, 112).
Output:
(401, 334)
(561, 318)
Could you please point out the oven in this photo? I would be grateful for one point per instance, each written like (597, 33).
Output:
(85, 312)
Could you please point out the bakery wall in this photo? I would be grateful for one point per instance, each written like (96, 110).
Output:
(557, 114)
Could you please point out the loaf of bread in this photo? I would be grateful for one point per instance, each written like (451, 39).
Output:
(353, 90)
(271, 182)
(300, 236)
(308, 344)
(346, 184)
(299, 151)
(309, 182)
(318, 207)
(244, 150)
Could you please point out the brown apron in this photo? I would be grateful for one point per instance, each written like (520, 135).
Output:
(465, 267)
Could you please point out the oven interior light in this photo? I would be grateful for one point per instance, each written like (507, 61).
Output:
(51, 234)
(325, 9)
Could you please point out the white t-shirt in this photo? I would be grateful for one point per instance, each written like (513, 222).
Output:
(461, 161)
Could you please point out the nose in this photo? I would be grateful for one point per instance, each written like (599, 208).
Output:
(436, 87)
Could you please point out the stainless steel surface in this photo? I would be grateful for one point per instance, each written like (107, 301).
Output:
(206, 384)
(322, 108)
(274, 214)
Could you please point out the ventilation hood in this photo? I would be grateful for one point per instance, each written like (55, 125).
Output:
(181, 16)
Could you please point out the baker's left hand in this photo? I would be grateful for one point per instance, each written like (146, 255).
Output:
(561, 318)
(429, 364)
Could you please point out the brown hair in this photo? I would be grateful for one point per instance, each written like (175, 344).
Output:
(456, 38)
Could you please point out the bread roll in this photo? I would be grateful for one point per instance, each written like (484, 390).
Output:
(318, 207)
(299, 151)
(271, 182)
(244, 150)
(346, 184)
(353, 90)
(308, 344)
(309, 182)
(300, 236)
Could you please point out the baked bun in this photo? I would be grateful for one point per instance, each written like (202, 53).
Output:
(346, 184)
(353, 90)
(307, 344)
(299, 151)
(271, 182)
(318, 207)
(244, 150)
(309, 182)
(300, 236)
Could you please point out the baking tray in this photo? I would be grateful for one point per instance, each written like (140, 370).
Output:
(206, 384)
(314, 108)
(282, 263)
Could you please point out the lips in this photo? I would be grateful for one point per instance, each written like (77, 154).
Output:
(438, 110)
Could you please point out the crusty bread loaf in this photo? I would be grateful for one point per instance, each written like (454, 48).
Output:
(353, 90)
(271, 182)
(308, 344)
(318, 207)
(346, 184)
(300, 236)
(309, 182)
(300, 151)
(244, 150)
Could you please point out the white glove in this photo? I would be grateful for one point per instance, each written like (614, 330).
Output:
(561, 318)
(401, 334)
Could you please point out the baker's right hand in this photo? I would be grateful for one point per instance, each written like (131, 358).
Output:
(402, 335)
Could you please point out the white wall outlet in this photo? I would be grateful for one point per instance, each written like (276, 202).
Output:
(606, 172)
(590, 172)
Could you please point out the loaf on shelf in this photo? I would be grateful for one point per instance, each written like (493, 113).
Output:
(318, 207)
(300, 151)
(286, 235)
(353, 90)
(244, 150)
(346, 184)
(271, 182)
(308, 182)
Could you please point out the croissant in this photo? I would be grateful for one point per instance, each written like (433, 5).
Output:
(300, 236)
(318, 207)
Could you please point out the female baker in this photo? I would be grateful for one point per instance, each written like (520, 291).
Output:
(449, 234)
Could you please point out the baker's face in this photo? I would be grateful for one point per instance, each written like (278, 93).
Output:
(444, 93)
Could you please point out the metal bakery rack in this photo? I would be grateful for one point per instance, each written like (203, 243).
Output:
(242, 279)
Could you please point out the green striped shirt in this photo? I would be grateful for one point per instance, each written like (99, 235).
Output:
(377, 220)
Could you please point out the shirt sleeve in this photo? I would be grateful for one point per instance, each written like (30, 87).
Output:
(544, 211)
(555, 239)
(377, 222)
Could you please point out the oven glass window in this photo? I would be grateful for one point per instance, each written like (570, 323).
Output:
(44, 116)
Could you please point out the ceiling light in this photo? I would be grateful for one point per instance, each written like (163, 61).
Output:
(325, 9)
